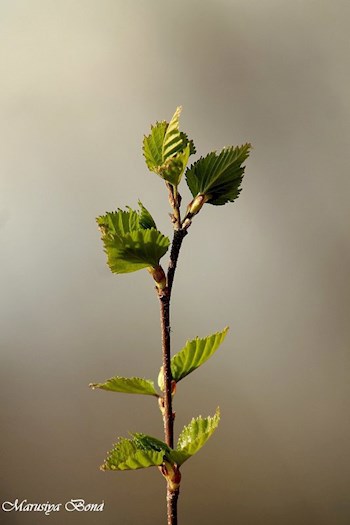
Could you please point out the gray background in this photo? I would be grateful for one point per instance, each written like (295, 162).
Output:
(81, 82)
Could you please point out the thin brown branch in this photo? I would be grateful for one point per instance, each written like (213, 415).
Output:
(167, 408)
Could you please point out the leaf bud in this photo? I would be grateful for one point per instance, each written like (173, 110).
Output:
(159, 276)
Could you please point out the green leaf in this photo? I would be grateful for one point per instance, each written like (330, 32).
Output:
(135, 250)
(172, 143)
(218, 175)
(127, 385)
(125, 221)
(119, 222)
(186, 141)
(150, 443)
(153, 146)
(195, 435)
(173, 169)
(145, 218)
(131, 240)
(130, 454)
(195, 353)
(167, 149)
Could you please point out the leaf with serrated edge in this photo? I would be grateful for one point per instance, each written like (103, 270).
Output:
(166, 149)
(218, 175)
(127, 385)
(119, 222)
(128, 454)
(153, 146)
(195, 353)
(135, 250)
(195, 435)
(173, 169)
(145, 218)
(172, 143)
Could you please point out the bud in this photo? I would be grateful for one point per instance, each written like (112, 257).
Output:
(196, 205)
(159, 276)
(172, 474)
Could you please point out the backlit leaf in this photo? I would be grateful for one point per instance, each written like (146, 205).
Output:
(195, 353)
(127, 385)
(195, 435)
(129, 454)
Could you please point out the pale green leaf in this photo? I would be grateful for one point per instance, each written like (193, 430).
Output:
(173, 142)
(129, 454)
(135, 250)
(218, 175)
(127, 385)
(195, 435)
(119, 222)
(195, 353)
(125, 221)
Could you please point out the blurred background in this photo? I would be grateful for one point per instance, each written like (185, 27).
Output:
(81, 82)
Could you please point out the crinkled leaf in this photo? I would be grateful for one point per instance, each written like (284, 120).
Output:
(218, 175)
(130, 454)
(195, 353)
(135, 250)
(195, 435)
(173, 169)
(167, 149)
(127, 385)
(145, 218)
(153, 146)
(119, 222)
(186, 141)
(172, 143)
(125, 221)
(151, 443)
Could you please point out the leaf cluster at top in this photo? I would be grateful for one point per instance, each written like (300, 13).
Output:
(167, 149)
(216, 176)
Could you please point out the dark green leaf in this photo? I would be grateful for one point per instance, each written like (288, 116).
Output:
(218, 175)
(145, 218)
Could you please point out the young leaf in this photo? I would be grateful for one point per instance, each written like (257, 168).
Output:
(145, 218)
(121, 222)
(195, 353)
(218, 175)
(153, 146)
(195, 435)
(167, 149)
(129, 454)
(146, 442)
(127, 385)
(135, 250)
(172, 143)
